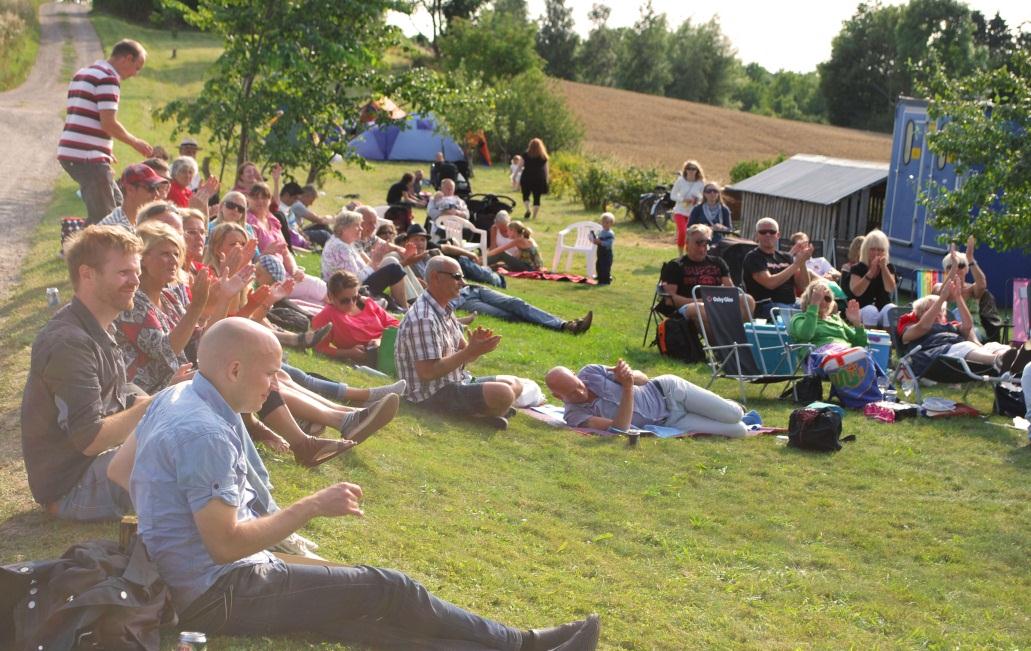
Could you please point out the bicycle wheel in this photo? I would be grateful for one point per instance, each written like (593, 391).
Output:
(659, 216)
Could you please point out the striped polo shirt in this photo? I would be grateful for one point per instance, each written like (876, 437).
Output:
(94, 89)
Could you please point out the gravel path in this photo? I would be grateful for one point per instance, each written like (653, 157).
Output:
(31, 117)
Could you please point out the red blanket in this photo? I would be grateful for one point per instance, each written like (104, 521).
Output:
(547, 275)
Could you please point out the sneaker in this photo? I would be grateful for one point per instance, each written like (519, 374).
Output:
(360, 424)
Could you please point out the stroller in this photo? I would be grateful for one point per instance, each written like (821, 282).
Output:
(484, 207)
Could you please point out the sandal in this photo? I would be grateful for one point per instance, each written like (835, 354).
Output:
(313, 452)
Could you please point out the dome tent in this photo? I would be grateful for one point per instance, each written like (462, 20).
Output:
(418, 141)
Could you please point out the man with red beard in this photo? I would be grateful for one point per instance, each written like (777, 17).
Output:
(77, 407)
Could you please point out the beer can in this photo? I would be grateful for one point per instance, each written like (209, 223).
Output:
(189, 641)
(53, 297)
(127, 532)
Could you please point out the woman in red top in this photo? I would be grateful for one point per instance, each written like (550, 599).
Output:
(358, 322)
(182, 172)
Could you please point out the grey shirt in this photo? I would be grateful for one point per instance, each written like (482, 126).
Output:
(649, 403)
(76, 379)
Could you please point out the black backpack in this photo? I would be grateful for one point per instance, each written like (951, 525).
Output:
(1009, 400)
(678, 337)
(816, 429)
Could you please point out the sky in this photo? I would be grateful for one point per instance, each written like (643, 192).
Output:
(789, 35)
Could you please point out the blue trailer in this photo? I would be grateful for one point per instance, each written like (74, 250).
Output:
(914, 241)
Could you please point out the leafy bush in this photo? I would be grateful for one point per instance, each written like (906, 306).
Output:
(749, 168)
(633, 182)
(563, 166)
(144, 11)
(528, 106)
(11, 27)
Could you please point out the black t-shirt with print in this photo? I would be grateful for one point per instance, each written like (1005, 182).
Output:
(774, 263)
(687, 273)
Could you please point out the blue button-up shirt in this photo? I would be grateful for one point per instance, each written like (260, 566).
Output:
(649, 404)
(193, 448)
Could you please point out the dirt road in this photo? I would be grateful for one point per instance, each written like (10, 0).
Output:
(31, 117)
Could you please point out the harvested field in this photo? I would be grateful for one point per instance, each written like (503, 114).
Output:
(651, 130)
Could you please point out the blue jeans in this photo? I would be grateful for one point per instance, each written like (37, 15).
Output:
(474, 298)
(1025, 384)
(325, 388)
(381, 608)
(479, 273)
(95, 498)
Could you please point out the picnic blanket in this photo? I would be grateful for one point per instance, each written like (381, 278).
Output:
(547, 275)
(552, 415)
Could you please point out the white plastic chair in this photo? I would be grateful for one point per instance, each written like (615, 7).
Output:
(581, 244)
(452, 225)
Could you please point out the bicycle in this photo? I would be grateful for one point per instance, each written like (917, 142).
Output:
(655, 208)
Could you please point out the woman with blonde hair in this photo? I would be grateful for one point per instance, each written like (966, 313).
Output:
(873, 279)
(526, 255)
(534, 179)
(840, 352)
(687, 192)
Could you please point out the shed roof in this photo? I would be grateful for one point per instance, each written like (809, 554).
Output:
(816, 179)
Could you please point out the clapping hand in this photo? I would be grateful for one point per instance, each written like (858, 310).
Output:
(230, 284)
(201, 287)
(852, 313)
(282, 290)
(182, 374)
(483, 340)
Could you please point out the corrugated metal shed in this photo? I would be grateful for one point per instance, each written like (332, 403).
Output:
(815, 179)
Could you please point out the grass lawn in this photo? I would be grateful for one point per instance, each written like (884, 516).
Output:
(915, 536)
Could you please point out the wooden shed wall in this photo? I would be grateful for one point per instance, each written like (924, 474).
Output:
(843, 220)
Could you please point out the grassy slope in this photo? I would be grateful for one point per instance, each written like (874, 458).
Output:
(20, 54)
(914, 537)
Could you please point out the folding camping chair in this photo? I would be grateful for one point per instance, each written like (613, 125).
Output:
(944, 369)
(658, 310)
(727, 348)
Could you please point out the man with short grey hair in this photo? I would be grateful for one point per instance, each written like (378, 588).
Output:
(771, 277)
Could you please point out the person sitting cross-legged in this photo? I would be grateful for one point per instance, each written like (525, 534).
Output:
(432, 352)
(695, 268)
(207, 518)
(603, 397)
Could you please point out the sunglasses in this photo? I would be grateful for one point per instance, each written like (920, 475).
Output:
(705, 242)
(347, 300)
(961, 265)
(712, 191)
(456, 275)
(234, 206)
(692, 169)
(766, 231)
(828, 299)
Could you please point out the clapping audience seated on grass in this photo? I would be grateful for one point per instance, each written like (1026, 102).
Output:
(209, 544)
(840, 350)
(696, 268)
(341, 254)
(519, 254)
(926, 326)
(618, 397)
(872, 281)
(232, 208)
(357, 322)
(195, 236)
(432, 353)
(772, 277)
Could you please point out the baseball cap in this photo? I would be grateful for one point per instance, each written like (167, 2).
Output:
(416, 230)
(189, 142)
(140, 174)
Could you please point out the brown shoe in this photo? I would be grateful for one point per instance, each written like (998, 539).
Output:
(313, 452)
(363, 423)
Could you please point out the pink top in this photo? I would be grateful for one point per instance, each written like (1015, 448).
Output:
(350, 330)
(268, 237)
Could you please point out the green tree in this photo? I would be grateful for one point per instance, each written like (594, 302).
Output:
(864, 75)
(557, 40)
(986, 126)
(512, 8)
(442, 12)
(290, 78)
(529, 106)
(491, 46)
(600, 53)
(935, 35)
(703, 63)
(644, 64)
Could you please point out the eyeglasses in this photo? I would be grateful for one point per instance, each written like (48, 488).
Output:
(456, 275)
(234, 206)
(704, 242)
(961, 265)
(767, 231)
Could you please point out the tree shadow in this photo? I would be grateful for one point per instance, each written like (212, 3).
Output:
(182, 74)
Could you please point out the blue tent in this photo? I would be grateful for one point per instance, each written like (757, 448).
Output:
(419, 141)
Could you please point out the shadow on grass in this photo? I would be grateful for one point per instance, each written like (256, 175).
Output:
(182, 74)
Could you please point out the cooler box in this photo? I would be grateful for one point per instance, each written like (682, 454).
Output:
(765, 336)
(880, 345)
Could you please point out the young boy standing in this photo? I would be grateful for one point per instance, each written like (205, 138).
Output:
(604, 239)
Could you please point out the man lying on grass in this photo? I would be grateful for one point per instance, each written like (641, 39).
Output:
(618, 397)
(191, 481)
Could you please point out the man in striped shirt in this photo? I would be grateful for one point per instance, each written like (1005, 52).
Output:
(86, 147)
(431, 354)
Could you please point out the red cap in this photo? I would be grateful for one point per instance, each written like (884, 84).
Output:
(140, 174)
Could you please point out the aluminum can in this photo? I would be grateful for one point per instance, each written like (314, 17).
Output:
(189, 641)
(53, 297)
